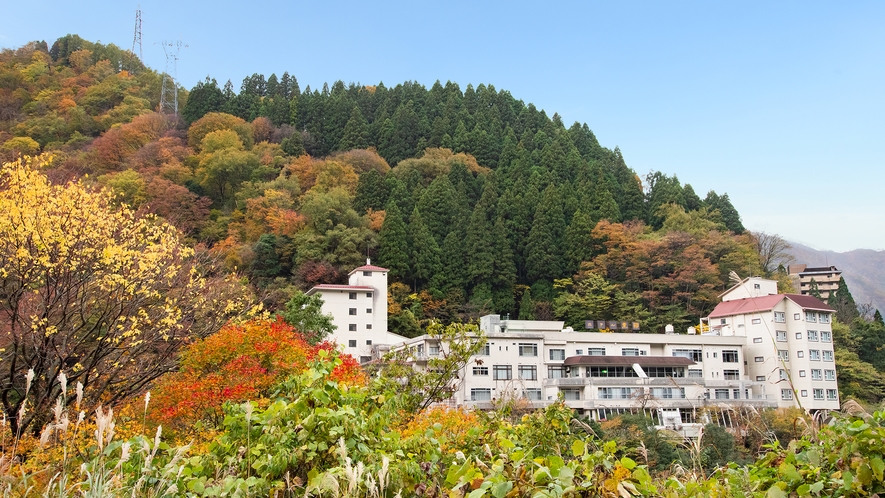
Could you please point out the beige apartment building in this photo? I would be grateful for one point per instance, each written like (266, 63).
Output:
(826, 278)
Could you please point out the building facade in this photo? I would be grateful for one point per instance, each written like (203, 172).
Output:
(359, 311)
(826, 278)
(758, 348)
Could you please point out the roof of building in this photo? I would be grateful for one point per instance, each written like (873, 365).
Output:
(765, 303)
(369, 268)
(810, 302)
(340, 287)
(626, 361)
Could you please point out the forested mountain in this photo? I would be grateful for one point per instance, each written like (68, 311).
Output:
(490, 206)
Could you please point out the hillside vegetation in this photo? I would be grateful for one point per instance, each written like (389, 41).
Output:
(476, 201)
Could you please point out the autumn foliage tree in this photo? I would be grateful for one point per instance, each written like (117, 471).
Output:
(91, 290)
(241, 362)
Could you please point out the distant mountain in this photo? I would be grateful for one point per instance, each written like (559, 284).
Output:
(863, 269)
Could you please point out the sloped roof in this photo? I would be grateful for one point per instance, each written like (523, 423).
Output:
(766, 303)
(748, 305)
(810, 302)
(626, 361)
(340, 287)
(369, 268)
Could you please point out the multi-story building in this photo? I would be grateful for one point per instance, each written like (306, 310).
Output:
(826, 278)
(759, 349)
(789, 342)
(359, 311)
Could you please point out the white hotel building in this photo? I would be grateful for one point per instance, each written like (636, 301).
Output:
(757, 348)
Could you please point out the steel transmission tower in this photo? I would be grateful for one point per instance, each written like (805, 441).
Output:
(169, 92)
(136, 40)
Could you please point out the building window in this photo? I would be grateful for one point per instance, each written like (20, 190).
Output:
(369, 342)
(365, 359)
(757, 286)
(760, 378)
(480, 370)
(721, 394)
(351, 343)
(832, 395)
(528, 372)
(826, 336)
(369, 310)
(367, 274)
(800, 354)
(351, 311)
(433, 349)
(803, 393)
(818, 394)
(629, 351)
(668, 393)
(801, 373)
(353, 295)
(812, 335)
(756, 321)
(595, 351)
(554, 372)
(783, 374)
(731, 375)
(484, 350)
(532, 394)
(615, 393)
(799, 335)
(481, 394)
(780, 317)
(730, 356)
(783, 354)
(829, 375)
(502, 372)
(579, 352)
(824, 318)
(369, 295)
(557, 354)
(796, 316)
(781, 335)
(528, 350)
(692, 354)
(368, 326)
(757, 340)
(816, 374)
(828, 356)
(786, 394)
(571, 394)
(814, 354)
(759, 359)
(736, 394)
(695, 373)
(351, 327)
(810, 316)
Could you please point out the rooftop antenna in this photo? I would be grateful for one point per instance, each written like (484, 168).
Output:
(169, 92)
(136, 39)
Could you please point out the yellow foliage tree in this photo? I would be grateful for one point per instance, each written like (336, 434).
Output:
(91, 290)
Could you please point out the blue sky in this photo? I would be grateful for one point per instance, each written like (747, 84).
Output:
(779, 104)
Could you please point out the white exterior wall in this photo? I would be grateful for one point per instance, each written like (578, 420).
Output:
(366, 294)
(584, 392)
(750, 287)
(763, 344)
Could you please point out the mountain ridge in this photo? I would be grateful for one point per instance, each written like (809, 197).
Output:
(863, 269)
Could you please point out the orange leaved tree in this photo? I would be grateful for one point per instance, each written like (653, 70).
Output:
(241, 362)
